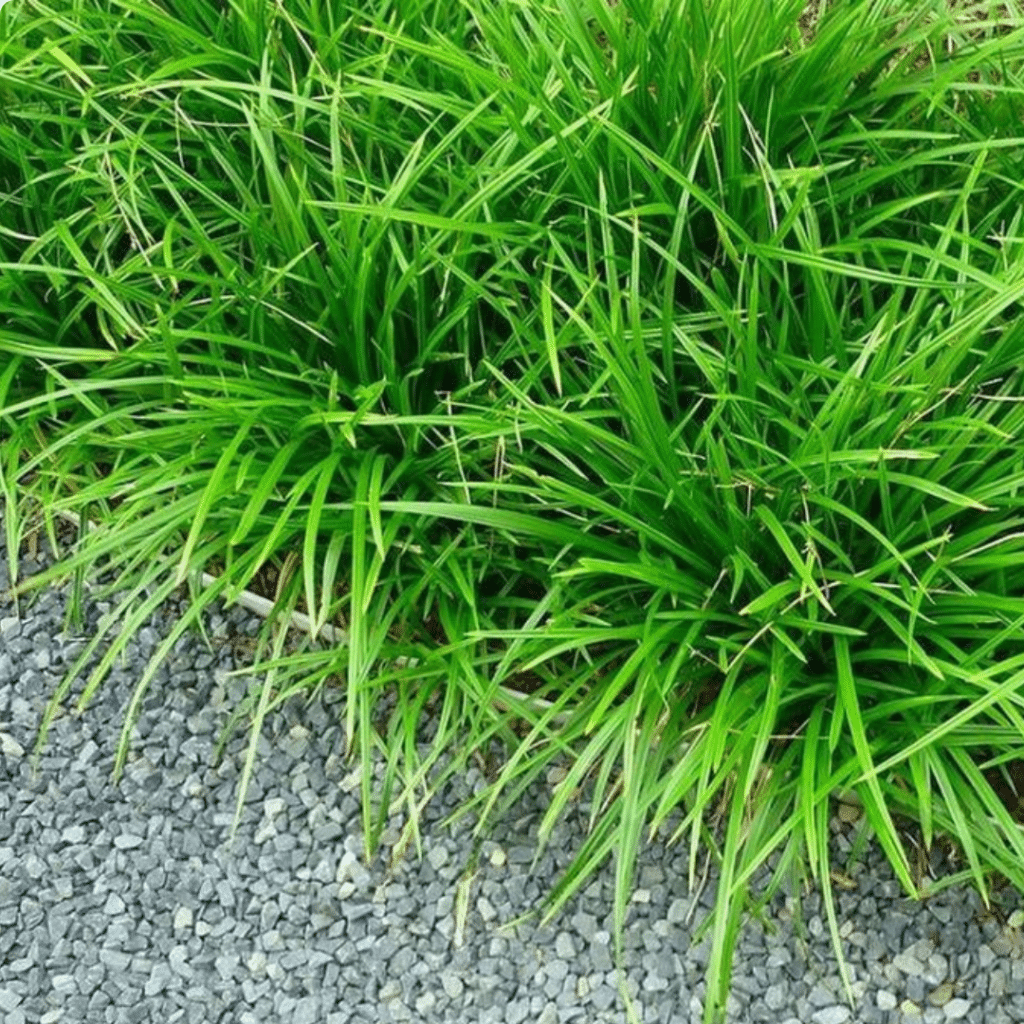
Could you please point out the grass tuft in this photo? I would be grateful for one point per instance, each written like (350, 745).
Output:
(635, 384)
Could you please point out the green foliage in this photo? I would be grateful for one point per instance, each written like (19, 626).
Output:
(661, 358)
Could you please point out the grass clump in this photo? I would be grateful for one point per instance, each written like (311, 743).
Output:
(638, 385)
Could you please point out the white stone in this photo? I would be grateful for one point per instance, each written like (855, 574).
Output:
(956, 1008)
(10, 746)
(885, 1000)
(182, 919)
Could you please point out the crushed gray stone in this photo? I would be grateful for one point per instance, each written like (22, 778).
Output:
(130, 901)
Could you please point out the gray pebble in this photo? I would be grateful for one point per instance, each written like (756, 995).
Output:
(64, 984)
(832, 1015)
(225, 965)
(10, 747)
(114, 905)
(115, 959)
(452, 984)
(677, 911)
(908, 964)
(178, 960)
(517, 1011)
(305, 1011)
(127, 905)
(158, 979)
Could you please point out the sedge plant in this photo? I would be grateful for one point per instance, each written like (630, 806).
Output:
(633, 386)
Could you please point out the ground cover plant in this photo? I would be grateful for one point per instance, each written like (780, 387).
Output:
(638, 386)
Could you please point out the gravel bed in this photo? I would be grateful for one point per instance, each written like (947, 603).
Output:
(126, 903)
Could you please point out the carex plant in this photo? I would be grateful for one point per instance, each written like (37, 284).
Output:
(636, 386)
